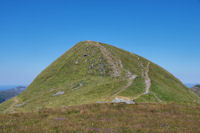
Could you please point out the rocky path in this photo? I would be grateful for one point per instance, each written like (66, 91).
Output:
(117, 68)
(115, 63)
(147, 80)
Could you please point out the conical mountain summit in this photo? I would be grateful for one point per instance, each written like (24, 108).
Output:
(94, 72)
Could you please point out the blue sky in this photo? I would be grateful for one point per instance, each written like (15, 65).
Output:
(33, 33)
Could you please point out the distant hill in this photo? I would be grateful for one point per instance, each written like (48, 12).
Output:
(94, 72)
(9, 93)
(196, 89)
(189, 85)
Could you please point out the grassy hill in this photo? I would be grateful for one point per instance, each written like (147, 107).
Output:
(93, 72)
(106, 118)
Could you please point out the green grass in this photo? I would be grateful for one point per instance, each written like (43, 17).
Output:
(168, 88)
(135, 89)
(88, 79)
(97, 118)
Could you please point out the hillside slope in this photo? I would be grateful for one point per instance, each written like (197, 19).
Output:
(93, 72)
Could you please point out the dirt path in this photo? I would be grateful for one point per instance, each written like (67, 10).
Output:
(147, 80)
(15, 102)
(115, 63)
(130, 81)
(117, 68)
(157, 98)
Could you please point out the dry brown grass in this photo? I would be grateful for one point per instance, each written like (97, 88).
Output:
(106, 118)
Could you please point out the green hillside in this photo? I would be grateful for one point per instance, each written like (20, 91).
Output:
(93, 72)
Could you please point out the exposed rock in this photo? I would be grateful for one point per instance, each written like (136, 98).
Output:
(79, 85)
(85, 55)
(76, 62)
(120, 100)
(91, 66)
(59, 93)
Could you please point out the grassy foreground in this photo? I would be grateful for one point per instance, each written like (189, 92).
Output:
(106, 118)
